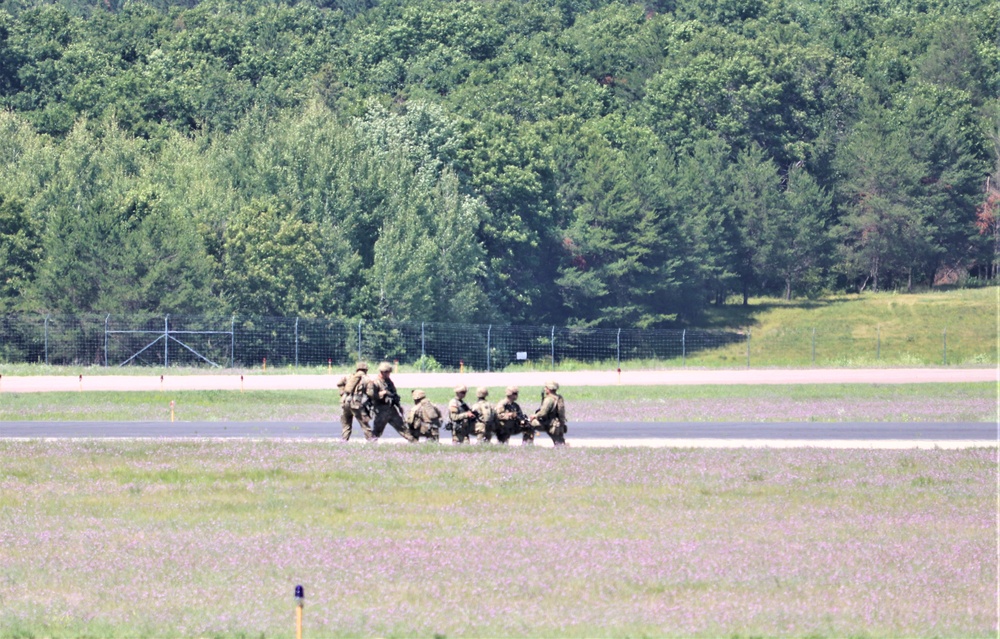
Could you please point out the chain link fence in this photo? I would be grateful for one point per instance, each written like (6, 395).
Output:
(243, 343)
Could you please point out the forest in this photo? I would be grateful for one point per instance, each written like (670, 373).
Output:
(570, 162)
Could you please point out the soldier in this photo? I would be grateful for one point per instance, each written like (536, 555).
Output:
(385, 399)
(424, 419)
(551, 415)
(355, 404)
(511, 420)
(486, 417)
(461, 416)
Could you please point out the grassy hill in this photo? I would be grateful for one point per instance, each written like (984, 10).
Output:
(956, 327)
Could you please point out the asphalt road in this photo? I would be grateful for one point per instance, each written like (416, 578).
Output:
(716, 434)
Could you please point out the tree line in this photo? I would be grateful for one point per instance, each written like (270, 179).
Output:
(577, 162)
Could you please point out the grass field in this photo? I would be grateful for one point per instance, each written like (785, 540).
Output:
(807, 402)
(134, 539)
(957, 327)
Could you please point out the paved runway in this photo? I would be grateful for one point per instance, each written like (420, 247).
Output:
(585, 434)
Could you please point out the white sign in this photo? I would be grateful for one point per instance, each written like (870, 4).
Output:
(522, 355)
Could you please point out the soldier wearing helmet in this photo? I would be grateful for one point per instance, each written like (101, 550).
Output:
(551, 415)
(354, 403)
(461, 416)
(385, 399)
(511, 420)
(424, 419)
(486, 417)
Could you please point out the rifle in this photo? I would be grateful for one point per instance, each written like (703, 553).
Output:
(518, 418)
(464, 421)
(392, 399)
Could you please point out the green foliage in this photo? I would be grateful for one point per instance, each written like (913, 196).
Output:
(584, 163)
(20, 250)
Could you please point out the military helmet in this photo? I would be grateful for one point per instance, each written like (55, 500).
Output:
(419, 395)
(361, 366)
(461, 389)
(482, 392)
(385, 367)
(512, 390)
(552, 386)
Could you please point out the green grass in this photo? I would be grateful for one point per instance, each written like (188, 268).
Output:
(775, 402)
(957, 327)
(208, 539)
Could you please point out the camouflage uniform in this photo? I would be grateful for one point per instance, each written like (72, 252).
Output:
(424, 419)
(385, 399)
(354, 403)
(551, 415)
(511, 420)
(486, 417)
(461, 417)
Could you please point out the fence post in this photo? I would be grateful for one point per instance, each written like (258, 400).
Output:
(946, 346)
(166, 341)
(618, 348)
(489, 330)
(814, 346)
(359, 339)
(552, 342)
(684, 348)
(232, 341)
(296, 342)
(47, 344)
(105, 341)
(748, 348)
(423, 351)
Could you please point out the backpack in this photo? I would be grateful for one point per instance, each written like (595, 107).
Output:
(355, 390)
(429, 414)
(487, 414)
(351, 384)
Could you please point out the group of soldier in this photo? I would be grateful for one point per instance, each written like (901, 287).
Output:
(374, 403)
